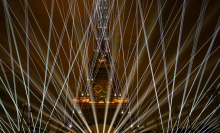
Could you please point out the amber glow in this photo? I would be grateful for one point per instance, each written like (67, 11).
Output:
(87, 100)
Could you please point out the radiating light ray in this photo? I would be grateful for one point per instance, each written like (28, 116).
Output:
(28, 71)
(10, 94)
(194, 70)
(8, 116)
(67, 30)
(115, 22)
(4, 125)
(30, 90)
(204, 60)
(10, 91)
(135, 44)
(212, 113)
(137, 63)
(121, 45)
(106, 113)
(208, 103)
(9, 20)
(12, 65)
(1, 127)
(72, 96)
(186, 78)
(53, 80)
(149, 36)
(177, 55)
(146, 43)
(212, 123)
(131, 100)
(52, 68)
(162, 103)
(15, 27)
(206, 106)
(216, 120)
(196, 41)
(82, 65)
(155, 108)
(71, 68)
(46, 69)
(140, 34)
(213, 39)
(52, 54)
(40, 30)
(164, 59)
(152, 57)
(13, 102)
(15, 43)
(193, 51)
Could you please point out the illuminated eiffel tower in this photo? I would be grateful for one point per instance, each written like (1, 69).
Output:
(102, 88)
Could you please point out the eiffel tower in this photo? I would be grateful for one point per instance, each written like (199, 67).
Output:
(102, 87)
